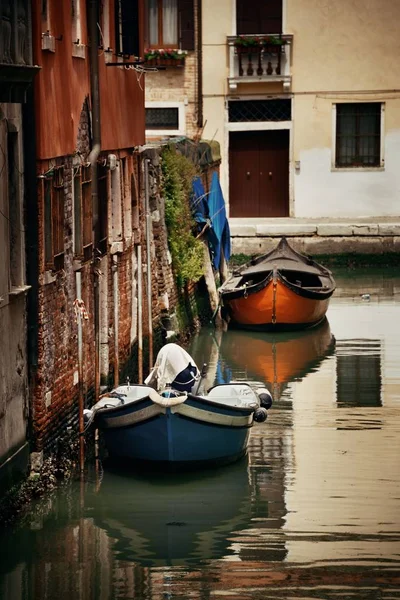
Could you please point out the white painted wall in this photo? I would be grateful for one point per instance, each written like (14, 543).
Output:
(320, 191)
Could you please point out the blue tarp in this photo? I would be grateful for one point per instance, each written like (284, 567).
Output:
(210, 208)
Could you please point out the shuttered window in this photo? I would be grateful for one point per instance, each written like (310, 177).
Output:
(102, 192)
(83, 212)
(54, 219)
(127, 27)
(258, 16)
(170, 24)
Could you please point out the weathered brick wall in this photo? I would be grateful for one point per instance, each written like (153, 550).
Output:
(56, 391)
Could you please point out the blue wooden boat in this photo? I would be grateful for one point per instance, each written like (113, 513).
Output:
(171, 420)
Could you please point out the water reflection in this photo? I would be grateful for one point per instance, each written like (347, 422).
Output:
(172, 519)
(359, 376)
(274, 359)
(312, 512)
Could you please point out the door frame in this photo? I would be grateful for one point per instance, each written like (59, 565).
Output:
(259, 126)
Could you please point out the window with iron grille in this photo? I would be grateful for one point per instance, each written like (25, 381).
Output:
(358, 134)
(83, 212)
(240, 111)
(102, 193)
(162, 118)
(54, 219)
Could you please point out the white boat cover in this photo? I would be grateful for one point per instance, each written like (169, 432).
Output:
(171, 360)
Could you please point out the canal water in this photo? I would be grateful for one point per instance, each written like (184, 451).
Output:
(312, 513)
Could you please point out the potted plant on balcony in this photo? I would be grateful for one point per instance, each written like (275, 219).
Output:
(272, 44)
(248, 44)
(172, 57)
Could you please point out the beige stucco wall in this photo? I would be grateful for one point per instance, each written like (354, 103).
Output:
(218, 22)
(343, 52)
(344, 46)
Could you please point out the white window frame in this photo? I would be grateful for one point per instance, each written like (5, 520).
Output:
(181, 119)
(381, 166)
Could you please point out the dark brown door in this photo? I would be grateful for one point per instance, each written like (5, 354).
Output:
(259, 16)
(259, 173)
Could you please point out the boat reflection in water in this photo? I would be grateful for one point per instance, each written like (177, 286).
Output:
(276, 359)
(160, 518)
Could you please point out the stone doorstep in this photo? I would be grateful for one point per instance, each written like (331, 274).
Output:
(316, 244)
(335, 229)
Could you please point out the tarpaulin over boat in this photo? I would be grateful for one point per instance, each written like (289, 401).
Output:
(210, 209)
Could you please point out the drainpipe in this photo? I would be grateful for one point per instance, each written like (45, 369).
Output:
(148, 256)
(114, 269)
(78, 280)
(31, 245)
(199, 66)
(93, 156)
(140, 312)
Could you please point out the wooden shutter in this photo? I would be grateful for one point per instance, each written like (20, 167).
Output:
(186, 24)
(130, 27)
(259, 16)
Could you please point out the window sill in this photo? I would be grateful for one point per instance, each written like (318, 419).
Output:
(357, 169)
(49, 277)
(78, 50)
(19, 290)
(48, 42)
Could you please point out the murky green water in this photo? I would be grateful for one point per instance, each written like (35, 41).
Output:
(313, 512)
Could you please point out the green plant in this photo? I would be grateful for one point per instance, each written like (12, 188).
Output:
(251, 41)
(246, 41)
(177, 54)
(273, 40)
(186, 250)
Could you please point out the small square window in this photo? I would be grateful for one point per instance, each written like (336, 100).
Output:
(165, 118)
(162, 118)
(358, 134)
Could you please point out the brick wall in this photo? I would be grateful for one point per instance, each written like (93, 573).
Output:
(177, 84)
(56, 389)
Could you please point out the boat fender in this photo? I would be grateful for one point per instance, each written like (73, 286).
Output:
(260, 415)
(170, 400)
(265, 397)
(87, 415)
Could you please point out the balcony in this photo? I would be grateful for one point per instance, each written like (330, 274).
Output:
(260, 59)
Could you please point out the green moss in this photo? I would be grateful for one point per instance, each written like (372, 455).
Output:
(186, 250)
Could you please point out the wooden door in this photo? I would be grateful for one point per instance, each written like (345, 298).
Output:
(259, 173)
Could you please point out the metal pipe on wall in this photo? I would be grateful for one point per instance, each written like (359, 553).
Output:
(148, 259)
(140, 312)
(78, 282)
(199, 66)
(116, 318)
(93, 156)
